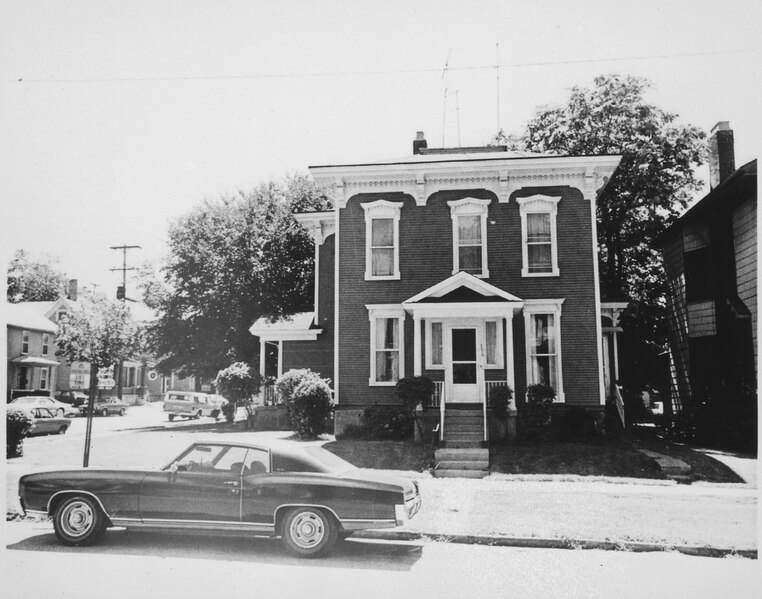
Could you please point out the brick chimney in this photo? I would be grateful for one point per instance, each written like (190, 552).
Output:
(72, 292)
(419, 143)
(722, 159)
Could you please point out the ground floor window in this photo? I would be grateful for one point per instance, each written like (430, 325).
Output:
(543, 344)
(23, 379)
(44, 377)
(387, 353)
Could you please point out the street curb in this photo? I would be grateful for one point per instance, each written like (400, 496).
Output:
(535, 543)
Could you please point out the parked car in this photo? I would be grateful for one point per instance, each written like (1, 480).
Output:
(189, 404)
(302, 493)
(74, 398)
(47, 423)
(31, 402)
(106, 407)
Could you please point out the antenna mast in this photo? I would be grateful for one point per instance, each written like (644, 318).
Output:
(457, 113)
(444, 103)
(497, 76)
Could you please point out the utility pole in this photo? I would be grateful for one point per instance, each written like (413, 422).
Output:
(121, 293)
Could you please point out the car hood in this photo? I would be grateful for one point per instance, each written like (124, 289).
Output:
(379, 477)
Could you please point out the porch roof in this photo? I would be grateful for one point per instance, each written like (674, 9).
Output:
(33, 361)
(292, 327)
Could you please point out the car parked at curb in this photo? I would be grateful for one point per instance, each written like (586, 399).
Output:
(192, 405)
(74, 398)
(47, 423)
(107, 407)
(301, 493)
(30, 402)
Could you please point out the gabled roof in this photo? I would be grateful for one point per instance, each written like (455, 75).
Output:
(463, 280)
(49, 309)
(26, 317)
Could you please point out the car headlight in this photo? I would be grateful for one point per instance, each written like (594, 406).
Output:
(400, 514)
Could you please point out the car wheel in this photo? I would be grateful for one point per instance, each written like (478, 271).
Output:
(62, 430)
(309, 532)
(122, 412)
(104, 412)
(60, 413)
(79, 521)
(171, 417)
(198, 415)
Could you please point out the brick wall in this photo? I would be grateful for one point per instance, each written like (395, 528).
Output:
(426, 259)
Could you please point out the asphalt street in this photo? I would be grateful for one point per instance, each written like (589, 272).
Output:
(128, 565)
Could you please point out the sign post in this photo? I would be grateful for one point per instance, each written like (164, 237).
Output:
(105, 381)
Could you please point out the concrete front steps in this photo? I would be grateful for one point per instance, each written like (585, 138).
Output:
(463, 454)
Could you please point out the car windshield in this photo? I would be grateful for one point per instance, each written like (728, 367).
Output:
(22, 400)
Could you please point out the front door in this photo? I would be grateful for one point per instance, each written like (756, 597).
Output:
(466, 370)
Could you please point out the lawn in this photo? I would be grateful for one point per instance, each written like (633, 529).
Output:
(601, 457)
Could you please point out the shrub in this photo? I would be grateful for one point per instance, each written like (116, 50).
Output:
(386, 422)
(239, 385)
(535, 412)
(18, 424)
(577, 424)
(499, 400)
(308, 401)
(414, 391)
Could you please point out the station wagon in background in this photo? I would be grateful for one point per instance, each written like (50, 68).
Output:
(192, 405)
(30, 402)
(301, 493)
(47, 423)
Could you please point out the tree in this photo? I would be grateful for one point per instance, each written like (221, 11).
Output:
(652, 186)
(31, 280)
(99, 331)
(238, 385)
(232, 261)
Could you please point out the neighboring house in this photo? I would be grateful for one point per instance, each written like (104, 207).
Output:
(476, 267)
(31, 352)
(710, 257)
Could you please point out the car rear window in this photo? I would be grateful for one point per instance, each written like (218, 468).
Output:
(179, 397)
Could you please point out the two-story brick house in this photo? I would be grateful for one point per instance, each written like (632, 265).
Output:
(476, 267)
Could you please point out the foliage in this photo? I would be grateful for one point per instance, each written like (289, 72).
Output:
(31, 280)
(237, 383)
(414, 391)
(308, 401)
(499, 400)
(18, 424)
(232, 261)
(654, 183)
(386, 423)
(534, 413)
(577, 424)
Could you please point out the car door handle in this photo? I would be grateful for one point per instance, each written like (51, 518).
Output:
(232, 483)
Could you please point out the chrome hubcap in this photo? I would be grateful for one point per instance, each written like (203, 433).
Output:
(307, 530)
(77, 518)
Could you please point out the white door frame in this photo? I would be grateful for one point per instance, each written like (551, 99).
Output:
(477, 324)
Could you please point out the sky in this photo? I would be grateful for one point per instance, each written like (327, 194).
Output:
(119, 117)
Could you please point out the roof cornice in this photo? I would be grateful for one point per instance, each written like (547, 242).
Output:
(502, 176)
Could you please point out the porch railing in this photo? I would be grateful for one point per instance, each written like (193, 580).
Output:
(269, 397)
(489, 387)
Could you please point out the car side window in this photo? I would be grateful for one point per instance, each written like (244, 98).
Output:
(257, 462)
(213, 458)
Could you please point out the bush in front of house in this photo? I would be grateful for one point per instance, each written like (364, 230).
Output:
(18, 424)
(534, 413)
(386, 423)
(414, 391)
(308, 401)
(499, 400)
(576, 424)
(238, 384)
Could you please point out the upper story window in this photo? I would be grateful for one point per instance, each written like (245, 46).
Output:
(382, 240)
(469, 236)
(539, 243)
(387, 344)
(45, 344)
(542, 322)
(25, 342)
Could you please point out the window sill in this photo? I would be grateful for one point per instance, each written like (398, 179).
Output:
(482, 275)
(394, 277)
(372, 383)
(532, 275)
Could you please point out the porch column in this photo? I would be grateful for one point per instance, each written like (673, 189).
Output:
(280, 358)
(616, 359)
(262, 345)
(416, 345)
(510, 375)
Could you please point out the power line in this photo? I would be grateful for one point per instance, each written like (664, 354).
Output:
(380, 71)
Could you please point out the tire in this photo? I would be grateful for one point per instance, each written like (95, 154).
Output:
(79, 521)
(104, 412)
(171, 417)
(198, 415)
(61, 430)
(60, 413)
(309, 532)
(122, 412)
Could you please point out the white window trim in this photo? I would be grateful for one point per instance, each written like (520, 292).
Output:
(44, 377)
(28, 336)
(45, 344)
(544, 306)
(469, 207)
(499, 349)
(381, 209)
(376, 311)
(539, 204)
